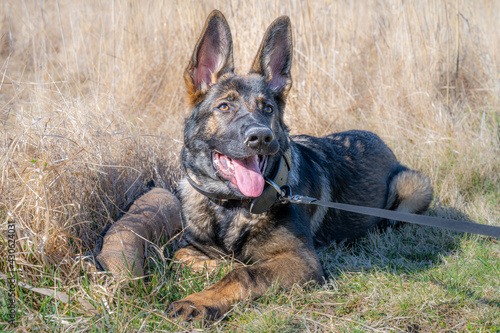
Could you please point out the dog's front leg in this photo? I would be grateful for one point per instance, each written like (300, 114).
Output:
(196, 260)
(248, 282)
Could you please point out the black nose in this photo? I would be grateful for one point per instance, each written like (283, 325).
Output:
(259, 137)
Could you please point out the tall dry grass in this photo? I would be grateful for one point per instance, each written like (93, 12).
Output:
(92, 102)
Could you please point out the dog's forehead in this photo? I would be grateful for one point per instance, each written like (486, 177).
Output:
(245, 86)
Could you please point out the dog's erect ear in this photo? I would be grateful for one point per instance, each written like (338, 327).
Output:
(274, 59)
(212, 56)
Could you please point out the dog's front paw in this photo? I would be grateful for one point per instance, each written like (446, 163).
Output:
(196, 307)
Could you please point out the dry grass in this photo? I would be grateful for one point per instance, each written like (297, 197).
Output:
(92, 106)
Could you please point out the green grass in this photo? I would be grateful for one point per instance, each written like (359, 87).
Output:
(402, 279)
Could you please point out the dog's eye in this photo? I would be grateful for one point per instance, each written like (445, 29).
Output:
(224, 107)
(268, 109)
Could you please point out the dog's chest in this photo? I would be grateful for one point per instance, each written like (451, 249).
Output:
(235, 227)
(226, 227)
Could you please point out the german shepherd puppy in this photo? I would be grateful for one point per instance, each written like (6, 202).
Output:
(234, 140)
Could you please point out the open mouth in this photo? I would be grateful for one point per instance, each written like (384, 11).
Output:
(245, 175)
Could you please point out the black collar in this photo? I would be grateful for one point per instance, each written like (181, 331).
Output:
(269, 195)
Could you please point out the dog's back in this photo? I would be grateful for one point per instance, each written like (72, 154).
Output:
(353, 167)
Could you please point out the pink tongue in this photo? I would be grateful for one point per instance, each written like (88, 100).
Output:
(248, 177)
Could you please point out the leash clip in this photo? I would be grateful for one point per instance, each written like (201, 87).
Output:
(285, 194)
(299, 199)
(281, 191)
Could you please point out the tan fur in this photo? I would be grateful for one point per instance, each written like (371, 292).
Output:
(195, 260)
(212, 127)
(240, 284)
(347, 143)
(360, 146)
(413, 189)
(193, 95)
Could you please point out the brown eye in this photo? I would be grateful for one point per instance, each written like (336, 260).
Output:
(224, 107)
(268, 109)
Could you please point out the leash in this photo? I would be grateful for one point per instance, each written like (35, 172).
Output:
(285, 196)
(278, 183)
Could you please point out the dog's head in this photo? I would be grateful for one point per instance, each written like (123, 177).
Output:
(235, 134)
